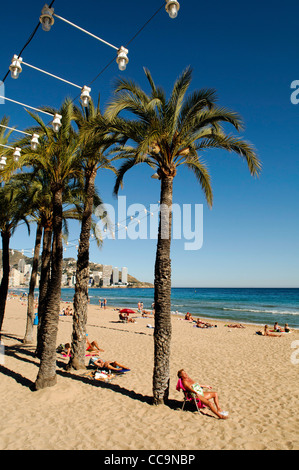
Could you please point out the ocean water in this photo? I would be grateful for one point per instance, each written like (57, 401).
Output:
(245, 305)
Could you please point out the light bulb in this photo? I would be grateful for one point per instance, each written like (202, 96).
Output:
(46, 18)
(172, 7)
(46, 24)
(56, 123)
(34, 141)
(15, 73)
(17, 154)
(85, 97)
(85, 101)
(173, 11)
(2, 163)
(122, 58)
(15, 66)
(122, 64)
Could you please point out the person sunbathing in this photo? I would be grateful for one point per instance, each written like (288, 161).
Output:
(202, 324)
(64, 349)
(188, 317)
(110, 365)
(277, 328)
(286, 328)
(235, 325)
(266, 332)
(205, 397)
(93, 347)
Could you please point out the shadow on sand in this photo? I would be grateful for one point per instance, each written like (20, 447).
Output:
(26, 353)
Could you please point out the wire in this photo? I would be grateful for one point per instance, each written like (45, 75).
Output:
(129, 42)
(28, 42)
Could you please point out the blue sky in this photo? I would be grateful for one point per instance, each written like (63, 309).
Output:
(248, 53)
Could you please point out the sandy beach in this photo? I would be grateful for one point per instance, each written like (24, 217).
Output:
(253, 375)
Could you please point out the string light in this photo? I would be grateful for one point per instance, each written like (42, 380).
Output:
(172, 7)
(16, 155)
(57, 117)
(34, 139)
(47, 21)
(2, 162)
(16, 69)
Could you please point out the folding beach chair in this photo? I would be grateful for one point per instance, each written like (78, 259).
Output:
(189, 397)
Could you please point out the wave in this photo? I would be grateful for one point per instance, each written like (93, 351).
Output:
(274, 312)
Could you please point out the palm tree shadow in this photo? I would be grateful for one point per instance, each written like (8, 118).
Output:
(108, 385)
(16, 376)
(23, 353)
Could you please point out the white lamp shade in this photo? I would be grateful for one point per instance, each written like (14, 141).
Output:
(56, 123)
(85, 97)
(34, 141)
(15, 66)
(2, 163)
(172, 7)
(46, 19)
(17, 154)
(122, 58)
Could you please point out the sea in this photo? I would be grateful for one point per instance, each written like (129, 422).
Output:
(259, 306)
(242, 305)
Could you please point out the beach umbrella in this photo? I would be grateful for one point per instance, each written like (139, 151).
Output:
(126, 310)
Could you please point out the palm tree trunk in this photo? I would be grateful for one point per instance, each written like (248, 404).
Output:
(43, 286)
(47, 371)
(28, 338)
(162, 332)
(77, 360)
(5, 277)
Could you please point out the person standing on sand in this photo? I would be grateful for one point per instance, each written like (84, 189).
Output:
(204, 397)
(105, 303)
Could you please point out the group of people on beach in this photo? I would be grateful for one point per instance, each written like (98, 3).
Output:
(277, 330)
(93, 350)
(103, 303)
(198, 322)
(67, 311)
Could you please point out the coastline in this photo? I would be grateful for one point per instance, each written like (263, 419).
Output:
(80, 414)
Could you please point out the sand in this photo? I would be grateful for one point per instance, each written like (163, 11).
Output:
(253, 375)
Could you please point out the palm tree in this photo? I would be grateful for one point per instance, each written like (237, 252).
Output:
(168, 133)
(13, 211)
(58, 157)
(37, 198)
(93, 149)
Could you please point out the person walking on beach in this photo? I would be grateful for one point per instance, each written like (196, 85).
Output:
(197, 389)
(104, 303)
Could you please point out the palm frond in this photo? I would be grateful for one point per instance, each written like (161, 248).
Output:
(202, 175)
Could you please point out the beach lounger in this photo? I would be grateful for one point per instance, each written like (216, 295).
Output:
(189, 397)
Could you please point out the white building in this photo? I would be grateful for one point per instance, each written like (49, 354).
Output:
(21, 265)
(115, 276)
(15, 278)
(107, 272)
(124, 275)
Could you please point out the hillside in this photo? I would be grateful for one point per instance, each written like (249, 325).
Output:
(69, 266)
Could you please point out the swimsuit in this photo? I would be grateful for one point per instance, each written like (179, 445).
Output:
(197, 389)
